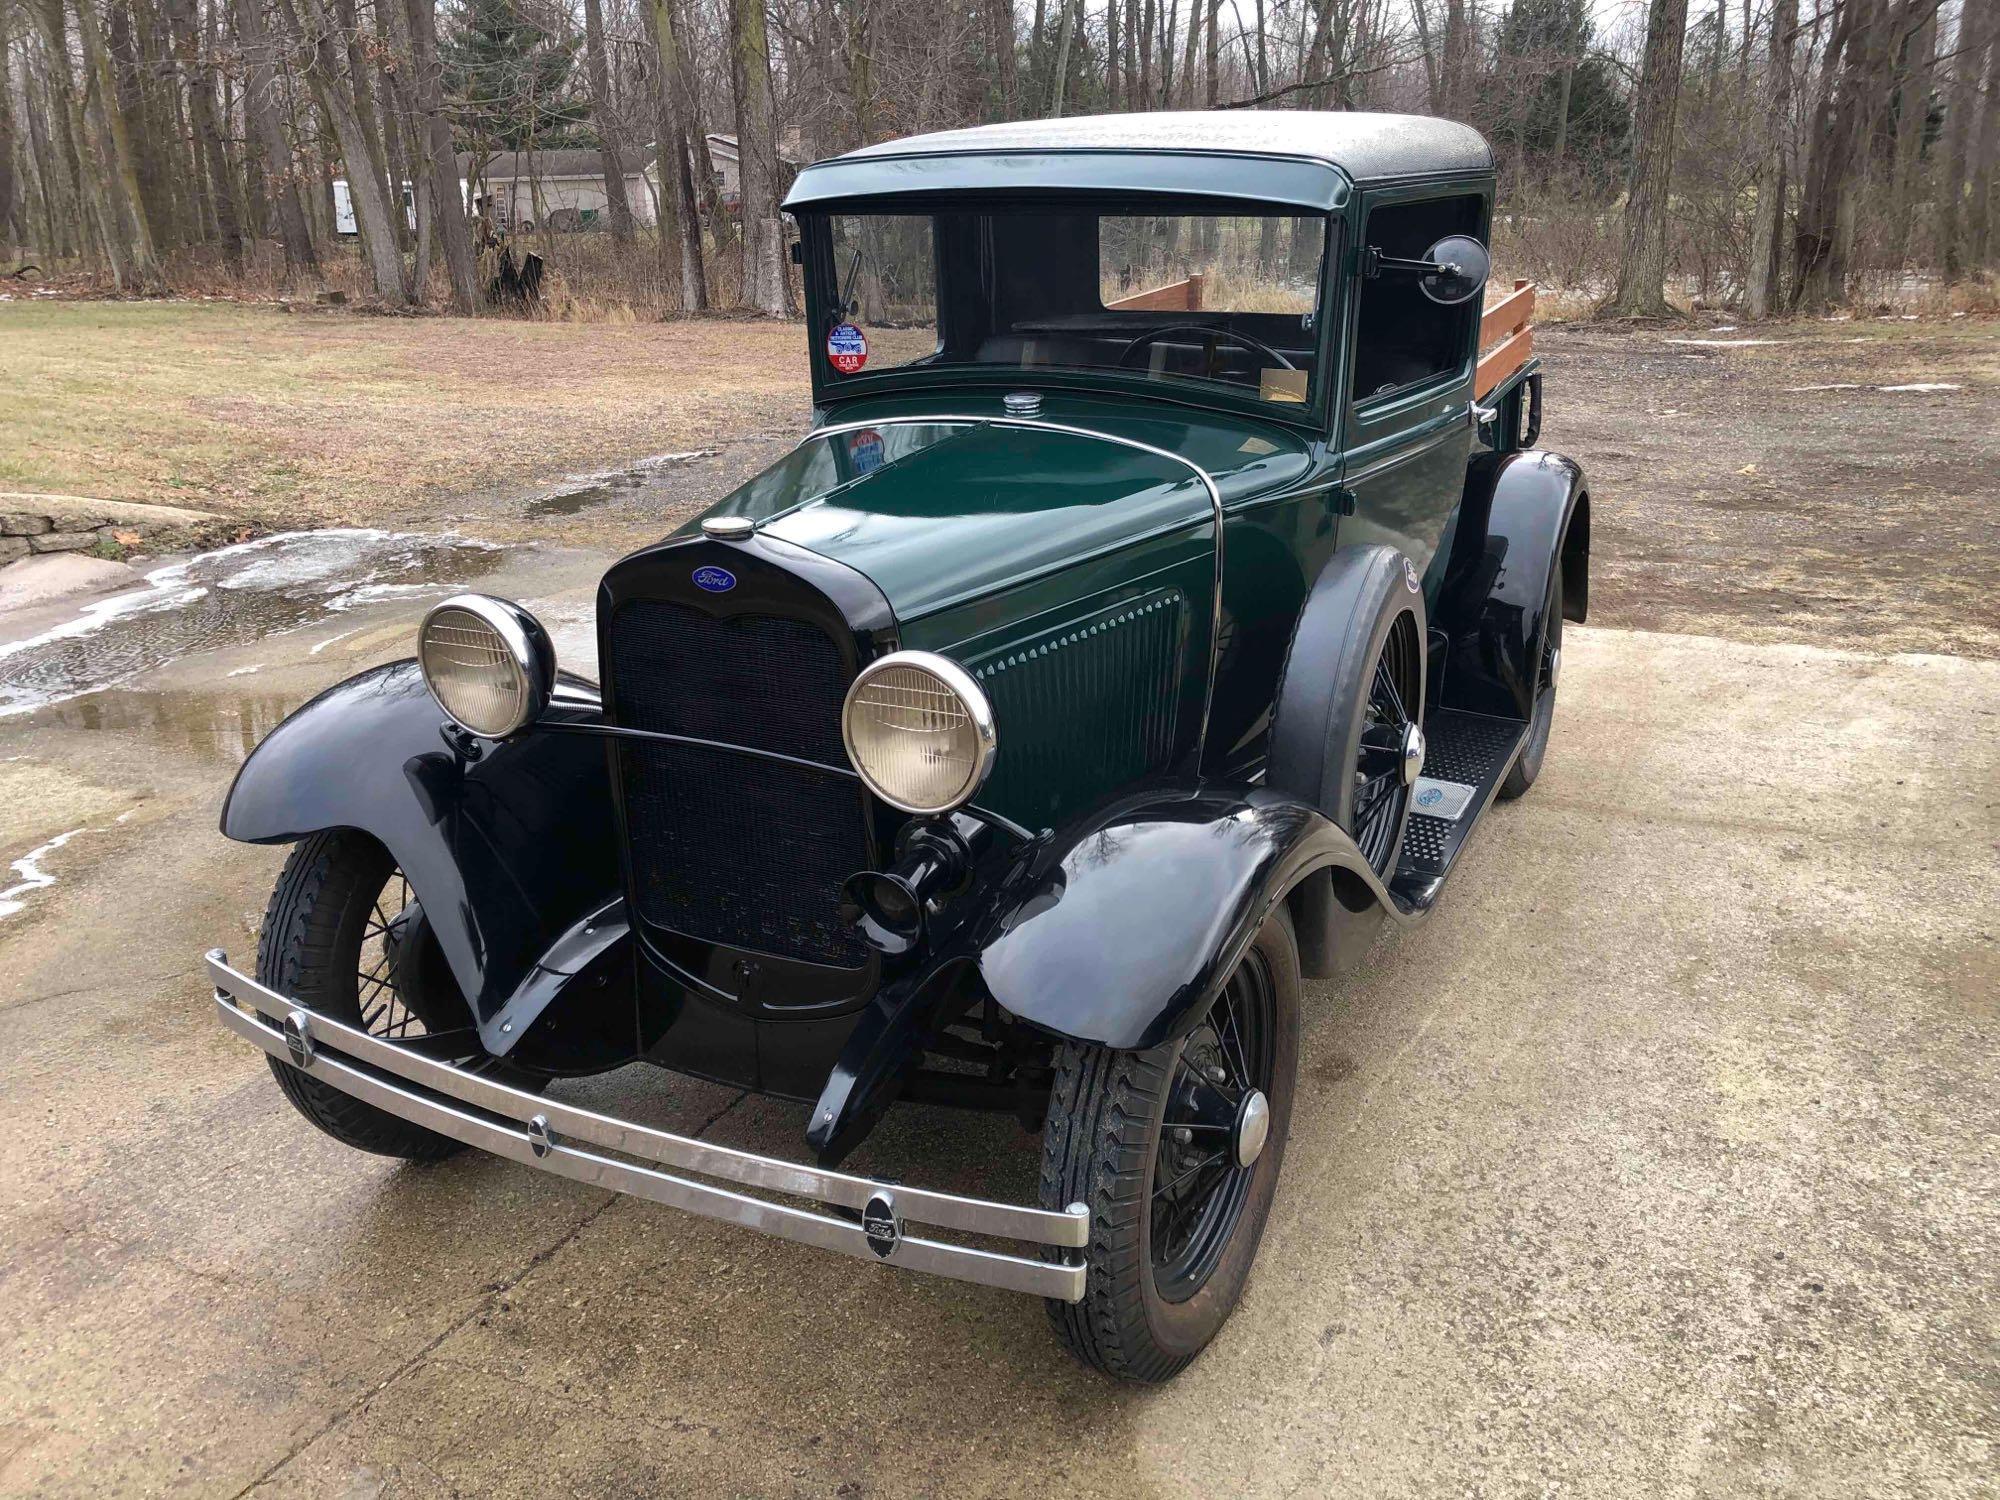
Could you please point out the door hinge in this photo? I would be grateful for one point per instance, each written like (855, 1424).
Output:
(1340, 500)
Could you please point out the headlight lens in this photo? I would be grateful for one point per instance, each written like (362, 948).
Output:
(489, 663)
(919, 730)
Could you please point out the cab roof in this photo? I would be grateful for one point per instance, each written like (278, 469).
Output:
(1299, 158)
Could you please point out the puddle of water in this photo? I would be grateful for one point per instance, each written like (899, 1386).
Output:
(587, 490)
(230, 597)
(222, 725)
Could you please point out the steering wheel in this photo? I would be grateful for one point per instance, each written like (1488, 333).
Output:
(1212, 337)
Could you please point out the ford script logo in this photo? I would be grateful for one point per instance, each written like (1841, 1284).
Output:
(714, 580)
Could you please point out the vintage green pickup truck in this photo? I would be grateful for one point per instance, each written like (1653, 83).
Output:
(1165, 588)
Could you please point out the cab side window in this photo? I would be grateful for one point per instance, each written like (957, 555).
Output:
(1402, 338)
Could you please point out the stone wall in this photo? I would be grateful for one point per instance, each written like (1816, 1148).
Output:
(25, 533)
(32, 524)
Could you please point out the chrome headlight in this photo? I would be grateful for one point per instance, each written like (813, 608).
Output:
(919, 730)
(489, 663)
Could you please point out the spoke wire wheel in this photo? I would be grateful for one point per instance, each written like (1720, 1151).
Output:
(1145, 1139)
(1381, 794)
(1198, 1188)
(382, 963)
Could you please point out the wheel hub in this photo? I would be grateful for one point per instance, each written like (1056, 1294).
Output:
(1252, 1128)
(1412, 753)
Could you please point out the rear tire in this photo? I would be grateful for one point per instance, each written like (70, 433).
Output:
(321, 913)
(1548, 671)
(1164, 1270)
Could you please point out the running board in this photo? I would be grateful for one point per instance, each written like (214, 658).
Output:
(1466, 757)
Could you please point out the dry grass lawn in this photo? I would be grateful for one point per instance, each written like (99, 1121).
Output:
(318, 416)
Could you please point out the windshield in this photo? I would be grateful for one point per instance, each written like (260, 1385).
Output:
(1218, 300)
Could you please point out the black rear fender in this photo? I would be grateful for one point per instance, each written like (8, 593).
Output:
(1124, 927)
(1524, 514)
(512, 854)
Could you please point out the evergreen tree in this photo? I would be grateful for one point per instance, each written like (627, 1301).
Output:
(1567, 111)
(510, 79)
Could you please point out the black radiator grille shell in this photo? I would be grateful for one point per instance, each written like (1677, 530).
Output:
(727, 848)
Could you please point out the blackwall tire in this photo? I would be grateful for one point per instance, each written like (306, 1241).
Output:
(308, 950)
(1140, 1319)
(1528, 765)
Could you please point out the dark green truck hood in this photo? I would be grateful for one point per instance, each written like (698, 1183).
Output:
(936, 514)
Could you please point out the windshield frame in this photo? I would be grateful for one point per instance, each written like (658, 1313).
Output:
(822, 293)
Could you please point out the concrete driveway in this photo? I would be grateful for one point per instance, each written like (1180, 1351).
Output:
(1660, 1162)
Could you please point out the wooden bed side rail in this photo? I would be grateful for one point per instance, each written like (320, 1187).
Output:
(1506, 338)
(1175, 296)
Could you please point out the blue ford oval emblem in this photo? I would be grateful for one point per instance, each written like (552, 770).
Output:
(714, 580)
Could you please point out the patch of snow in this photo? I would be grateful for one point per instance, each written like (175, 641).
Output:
(244, 671)
(1922, 385)
(1722, 343)
(33, 876)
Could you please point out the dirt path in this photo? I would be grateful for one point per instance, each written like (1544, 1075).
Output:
(1774, 491)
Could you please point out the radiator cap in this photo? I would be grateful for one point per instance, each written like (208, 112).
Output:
(1022, 403)
(728, 528)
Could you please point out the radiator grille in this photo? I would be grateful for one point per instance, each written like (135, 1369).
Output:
(726, 848)
(1085, 707)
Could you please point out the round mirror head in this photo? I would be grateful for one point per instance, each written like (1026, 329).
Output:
(1464, 265)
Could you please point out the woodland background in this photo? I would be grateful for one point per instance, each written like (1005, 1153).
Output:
(1768, 156)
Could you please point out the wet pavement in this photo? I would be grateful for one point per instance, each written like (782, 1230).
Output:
(1659, 1162)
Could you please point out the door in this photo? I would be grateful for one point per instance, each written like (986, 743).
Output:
(1409, 420)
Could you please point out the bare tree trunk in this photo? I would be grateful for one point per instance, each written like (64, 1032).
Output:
(680, 222)
(364, 184)
(145, 260)
(433, 132)
(260, 109)
(1983, 204)
(13, 228)
(96, 209)
(707, 192)
(1458, 55)
(225, 192)
(765, 285)
(1000, 31)
(606, 115)
(1059, 73)
(1111, 56)
(1767, 226)
(1211, 59)
(1818, 257)
(1642, 270)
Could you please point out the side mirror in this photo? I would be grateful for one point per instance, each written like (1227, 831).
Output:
(1458, 271)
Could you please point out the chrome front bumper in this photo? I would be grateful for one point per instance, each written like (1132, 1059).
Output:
(555, 1137)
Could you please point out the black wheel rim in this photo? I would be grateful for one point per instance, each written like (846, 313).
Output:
(1197, 1192)
(384, 1009)
(1394, 699)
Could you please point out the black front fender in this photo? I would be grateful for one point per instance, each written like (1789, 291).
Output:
(1125, 926)
(508, 852)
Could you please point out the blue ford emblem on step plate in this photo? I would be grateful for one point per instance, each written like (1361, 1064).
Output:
(714, 580)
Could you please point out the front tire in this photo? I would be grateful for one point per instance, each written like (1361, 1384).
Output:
(1175, 1219)
(326, 942)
